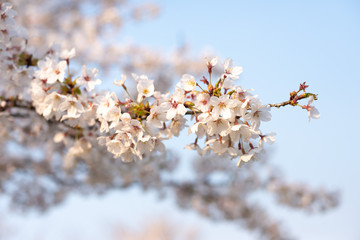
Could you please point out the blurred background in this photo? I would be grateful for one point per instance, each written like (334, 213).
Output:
(279, 44)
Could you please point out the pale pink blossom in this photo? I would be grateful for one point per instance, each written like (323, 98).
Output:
(51, 71)
(222, 106)
(258, 113)
(312, 111)
(72, 107)
(230, 71)
(157, 116)
(212, 63)
(219, 126)
(203, 102)
(120, 82)
(145, 87)
(245, 158)
(68, 54)
(88, 78)
(52, 103)
(188, 82)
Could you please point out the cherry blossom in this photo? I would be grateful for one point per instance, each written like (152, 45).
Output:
(222, 106)
(68, 54)
(312, 111)
(212, 63)
(72, 106)
(157, 116)
(121, 82)
(188, 82)
(203, 102)
(88, 78)
(230, 71)
(145, 87)
(258, 113)
(51, 71)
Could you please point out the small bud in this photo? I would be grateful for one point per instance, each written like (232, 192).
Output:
(294, 100)
(189, 104)
(218, 82)
(210, 88)
(217, 92)
(210, 64)
(292, 95)
(231, 92)
(303, 87)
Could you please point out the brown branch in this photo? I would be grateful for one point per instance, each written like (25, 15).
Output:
(278, 105)
(7, 104)
(292, 101)
(15, 102)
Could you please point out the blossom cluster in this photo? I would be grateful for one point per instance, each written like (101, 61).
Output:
(14, 62)
(225, 115)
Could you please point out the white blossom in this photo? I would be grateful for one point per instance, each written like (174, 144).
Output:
(72, 107)
(51, 71)
(157, 116)
(145, 87)
(52, 103)
(245, 158)
(222, 106)
(120, 82)
(202, 102)
(188, 82)
(212, 63)
(312, 111)
(230, 71)
(219, 126)
(174, 108)
(258, 113)
(68, 54)
(88, 78)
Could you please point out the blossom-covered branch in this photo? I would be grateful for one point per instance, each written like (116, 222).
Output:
(225, 115)
(294, 101)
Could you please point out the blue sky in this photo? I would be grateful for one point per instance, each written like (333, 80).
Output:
(279, 44)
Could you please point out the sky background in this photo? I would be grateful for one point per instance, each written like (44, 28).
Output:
(279, 44)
